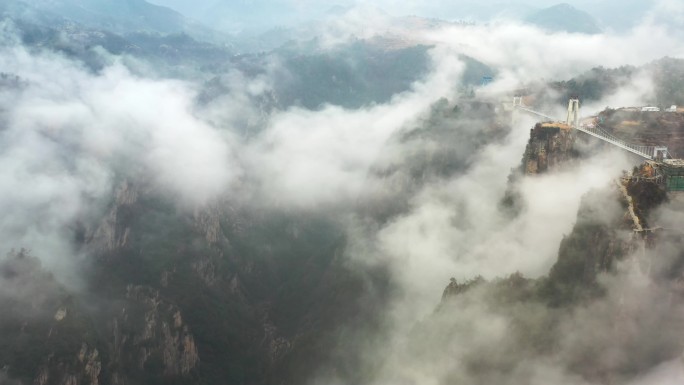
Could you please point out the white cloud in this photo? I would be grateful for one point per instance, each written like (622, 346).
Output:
(312, 158)
(68, 131)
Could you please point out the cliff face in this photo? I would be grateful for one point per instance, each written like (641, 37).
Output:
(149, 335)
(45, 338)
(175, 296)
(57, 339)
(231, 292)
(550, 147)
(112, 233)
(601, 237)
(599, 313)
(84, 368)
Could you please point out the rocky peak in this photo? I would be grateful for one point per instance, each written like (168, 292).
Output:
(207, 222)
(551, 146)
(83, 370)
(113, 233)
(150, 333)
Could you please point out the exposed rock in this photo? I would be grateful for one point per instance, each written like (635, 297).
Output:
(161, 335)
(112, 234)
(550, 147)
(6, 380)
(235, 286)
(454, 288)
(84, 369)
(61, 314)
(165, 277)
(42, 377)
(90, 358)
(126, 194)
(205, 269)
(276, 346)
(208, 223)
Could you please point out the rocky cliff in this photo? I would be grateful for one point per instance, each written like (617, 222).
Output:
(617, 278)
(212, 295)
(58, 339)
(550, 147)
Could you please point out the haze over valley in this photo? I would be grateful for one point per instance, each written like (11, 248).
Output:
(311, 193)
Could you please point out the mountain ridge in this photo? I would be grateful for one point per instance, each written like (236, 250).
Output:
(564, 17)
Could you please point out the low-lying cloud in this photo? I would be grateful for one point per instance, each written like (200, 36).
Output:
(69, 135)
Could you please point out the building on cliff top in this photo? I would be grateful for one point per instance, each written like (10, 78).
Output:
(673, 171)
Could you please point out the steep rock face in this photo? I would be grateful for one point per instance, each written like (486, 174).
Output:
(602, 234)
(233, 294)
(617, 277)
(83, 370)
(647, 194)
(220, 294)
(598, 315)
(454, 288)
(45, 338)
(50, 338)
(550, 147)
(112, 232)
(208, 222)
(601, 237)
(150, 335)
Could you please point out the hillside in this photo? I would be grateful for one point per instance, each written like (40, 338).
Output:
(119, 17)
(594, 290)
(666, 74)
(182, 210)
(564, 17)
(647, 128)
(230, 293)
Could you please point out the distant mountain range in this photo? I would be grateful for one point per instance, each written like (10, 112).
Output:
(124, 16)
(564, 17)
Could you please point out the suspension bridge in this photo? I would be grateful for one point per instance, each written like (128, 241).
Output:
(654, 153)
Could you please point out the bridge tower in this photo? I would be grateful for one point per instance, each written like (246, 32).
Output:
(573, 113)
(517, 101)
(660, 153)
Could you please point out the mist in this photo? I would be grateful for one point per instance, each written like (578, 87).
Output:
(258, 16)
(71, 135)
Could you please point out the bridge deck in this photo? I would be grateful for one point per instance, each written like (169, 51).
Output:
(647, 152)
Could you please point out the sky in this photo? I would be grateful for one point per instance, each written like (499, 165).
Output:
(226, 15)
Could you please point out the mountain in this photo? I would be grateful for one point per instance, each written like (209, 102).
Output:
(619, 15)
(359, 181)
(599, 82)
(227, 294)
(310, 75)
(126, 16)
(592, 292)
(241, 16)
(564, 17)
